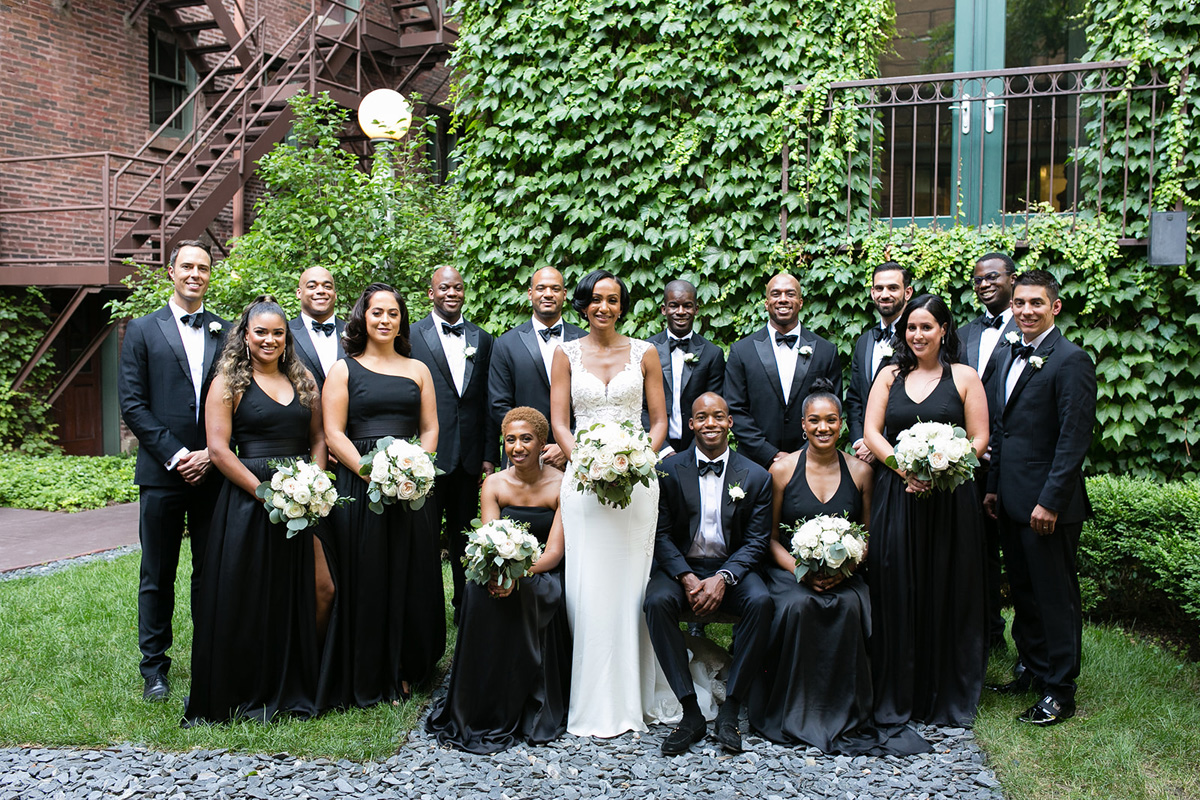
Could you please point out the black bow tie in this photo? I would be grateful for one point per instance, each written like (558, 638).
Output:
(715, 467)
(452, 330)
(192, 320)
(326, 328)
(882, 334)
(677, 343)
(554, 330)
(1021, 350)
(785, 339)
(996, 322)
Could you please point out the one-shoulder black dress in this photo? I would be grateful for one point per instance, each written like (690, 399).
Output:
(255, 650)
(510, 680)
(925, 569)
(393, 619)
(816, 688)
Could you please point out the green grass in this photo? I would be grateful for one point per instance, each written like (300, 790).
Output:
(1136, 733)
(65, 483)
(69, 676)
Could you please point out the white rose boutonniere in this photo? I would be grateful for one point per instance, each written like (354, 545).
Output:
(736, 493)
(806, 350)
(689, 358)
(469, 351)
(1011, 337)
(1036, 362)
(886, 350)
(214, 328)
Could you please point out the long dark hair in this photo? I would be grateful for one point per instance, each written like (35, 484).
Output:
(587, 287)
(906, 360)
(235, 366)
(354, 337)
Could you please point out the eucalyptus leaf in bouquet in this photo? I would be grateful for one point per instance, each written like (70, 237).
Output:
(502, 549)
(936, 452)
(299, 494)
(827, 545)
(400, 471)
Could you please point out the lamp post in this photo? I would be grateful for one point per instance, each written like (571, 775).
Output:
(384, 115)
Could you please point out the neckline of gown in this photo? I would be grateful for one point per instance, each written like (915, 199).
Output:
(267, 394)
(380, 374)
(907, 396)
(843, 475)
(620, 372)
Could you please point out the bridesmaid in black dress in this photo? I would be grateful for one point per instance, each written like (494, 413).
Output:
(392, 618)
(263, 598)
(510, 679)
(926, 562)
(816, 689)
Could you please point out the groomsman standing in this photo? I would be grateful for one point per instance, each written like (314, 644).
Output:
(520, 370)
(714, 527)
(1047, 389)
(891, 289)
(317, 332)
(166, 365)
(692, 365)
(771, 372)
(978, 348)
(457, 353)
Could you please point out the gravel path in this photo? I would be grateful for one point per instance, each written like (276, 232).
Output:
(570, 769)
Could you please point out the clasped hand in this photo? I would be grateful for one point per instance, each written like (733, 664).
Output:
(194, 466)
(704, 596)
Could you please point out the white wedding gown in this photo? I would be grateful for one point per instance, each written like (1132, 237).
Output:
(616, 682)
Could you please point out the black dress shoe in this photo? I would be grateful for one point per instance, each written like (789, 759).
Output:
(156, 689)
(728, 736)
(1047, 712)
(685, 735)
(1019, 685)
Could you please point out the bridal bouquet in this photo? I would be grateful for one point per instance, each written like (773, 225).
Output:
(828, 545)
(400, 472)
(503, 549)
(936, 452)
(299, 493)
(610, 458)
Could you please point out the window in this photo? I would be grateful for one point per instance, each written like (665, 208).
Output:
(442, 141)
(171, 81)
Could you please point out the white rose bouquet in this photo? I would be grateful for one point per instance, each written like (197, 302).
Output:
(503, 550)
(400, 472)
(827, 545)
(299, 494)
(610, 458)
(936, 452)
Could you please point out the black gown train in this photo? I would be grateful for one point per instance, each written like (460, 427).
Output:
(816, 688)
(255, 650)
(925, 569)
(510, 680)
(392, 626)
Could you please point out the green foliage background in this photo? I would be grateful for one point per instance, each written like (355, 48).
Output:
(26, 421)
(66, 483)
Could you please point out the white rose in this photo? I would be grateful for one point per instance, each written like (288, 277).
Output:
(325, 509)
(405, 462)
(854, 546)
(279, 500)
(639, 458)
(294, 511)
(379, 473)
(834, 561)
(604, 459)
(302, 495)
(406, 490)
(939, 461)
(621, 463)
(397, 448)
(289, 486)
(322, 483)
(277, 481)
(736, 493)
(507, 549)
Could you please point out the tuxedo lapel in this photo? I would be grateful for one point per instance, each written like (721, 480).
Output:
(766, 354)
(471, 337)
(304, 342)
(170, 332)
(210, 345)
(689, 487)
(974, 334)
(341, 328)
(1043, 352)
(664, 357)
(530, 338)
(803, 362)
(693, 348)
(434, 343)
(863, 355)
(997, 357)
(733, 475)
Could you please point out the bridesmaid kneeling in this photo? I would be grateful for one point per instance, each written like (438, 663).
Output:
(817, 687)
(511, 674)
(264, 598)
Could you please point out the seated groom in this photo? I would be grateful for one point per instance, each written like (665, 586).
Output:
(714, 524)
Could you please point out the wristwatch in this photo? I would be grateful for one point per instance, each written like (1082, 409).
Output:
(727, 576)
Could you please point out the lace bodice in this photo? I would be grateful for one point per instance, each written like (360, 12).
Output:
(593, 401)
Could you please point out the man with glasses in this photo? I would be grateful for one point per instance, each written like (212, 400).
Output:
(978, 347)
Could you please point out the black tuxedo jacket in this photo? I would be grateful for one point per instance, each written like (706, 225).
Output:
(746, 523)
(705, 374)
(861, 380)
(467, 435)
(308, 353)
(968, 353)
(157, 399)
(1043, 432)
(765, 421)
(517, 376)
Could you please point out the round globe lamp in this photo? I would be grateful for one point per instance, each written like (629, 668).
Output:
(384, 115)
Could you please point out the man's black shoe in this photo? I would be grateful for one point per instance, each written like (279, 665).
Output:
(156, 689)
(728, 736)
(1047, 712)
(686, 734)
(1019, 685)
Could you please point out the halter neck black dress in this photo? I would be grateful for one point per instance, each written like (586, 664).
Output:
(393, 619)
(511, 676)
(816, 688)
(255, 647)
(925, 569)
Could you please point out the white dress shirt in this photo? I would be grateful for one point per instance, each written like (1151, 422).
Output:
(193, 347)
(675, 417)
(709, 541)
(1018, 364)
(455, 348)
(547, 347)
(988, 339)
(877, 353)
(785, 357)
(326, 346)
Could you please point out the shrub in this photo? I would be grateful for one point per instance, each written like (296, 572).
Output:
(66, 483)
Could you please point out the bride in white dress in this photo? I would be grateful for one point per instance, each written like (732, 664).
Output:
(616, 683)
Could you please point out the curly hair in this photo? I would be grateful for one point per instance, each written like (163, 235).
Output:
(535, 418)
(587, 287)
(354, 337)
(906, 359)
(234, 365)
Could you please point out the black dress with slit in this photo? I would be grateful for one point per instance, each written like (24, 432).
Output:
(255, 649)
(816, 688)
(510, 680)
(392, 623)
(925, 570)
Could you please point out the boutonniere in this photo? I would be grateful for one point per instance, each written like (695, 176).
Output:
(689, 358)
(736, 492)
(214, 328)
(1011, 337)
(1036, 362)
(886, 350)
(806, 350)
(469, 351)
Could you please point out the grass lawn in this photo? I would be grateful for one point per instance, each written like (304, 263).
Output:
(68, 676)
